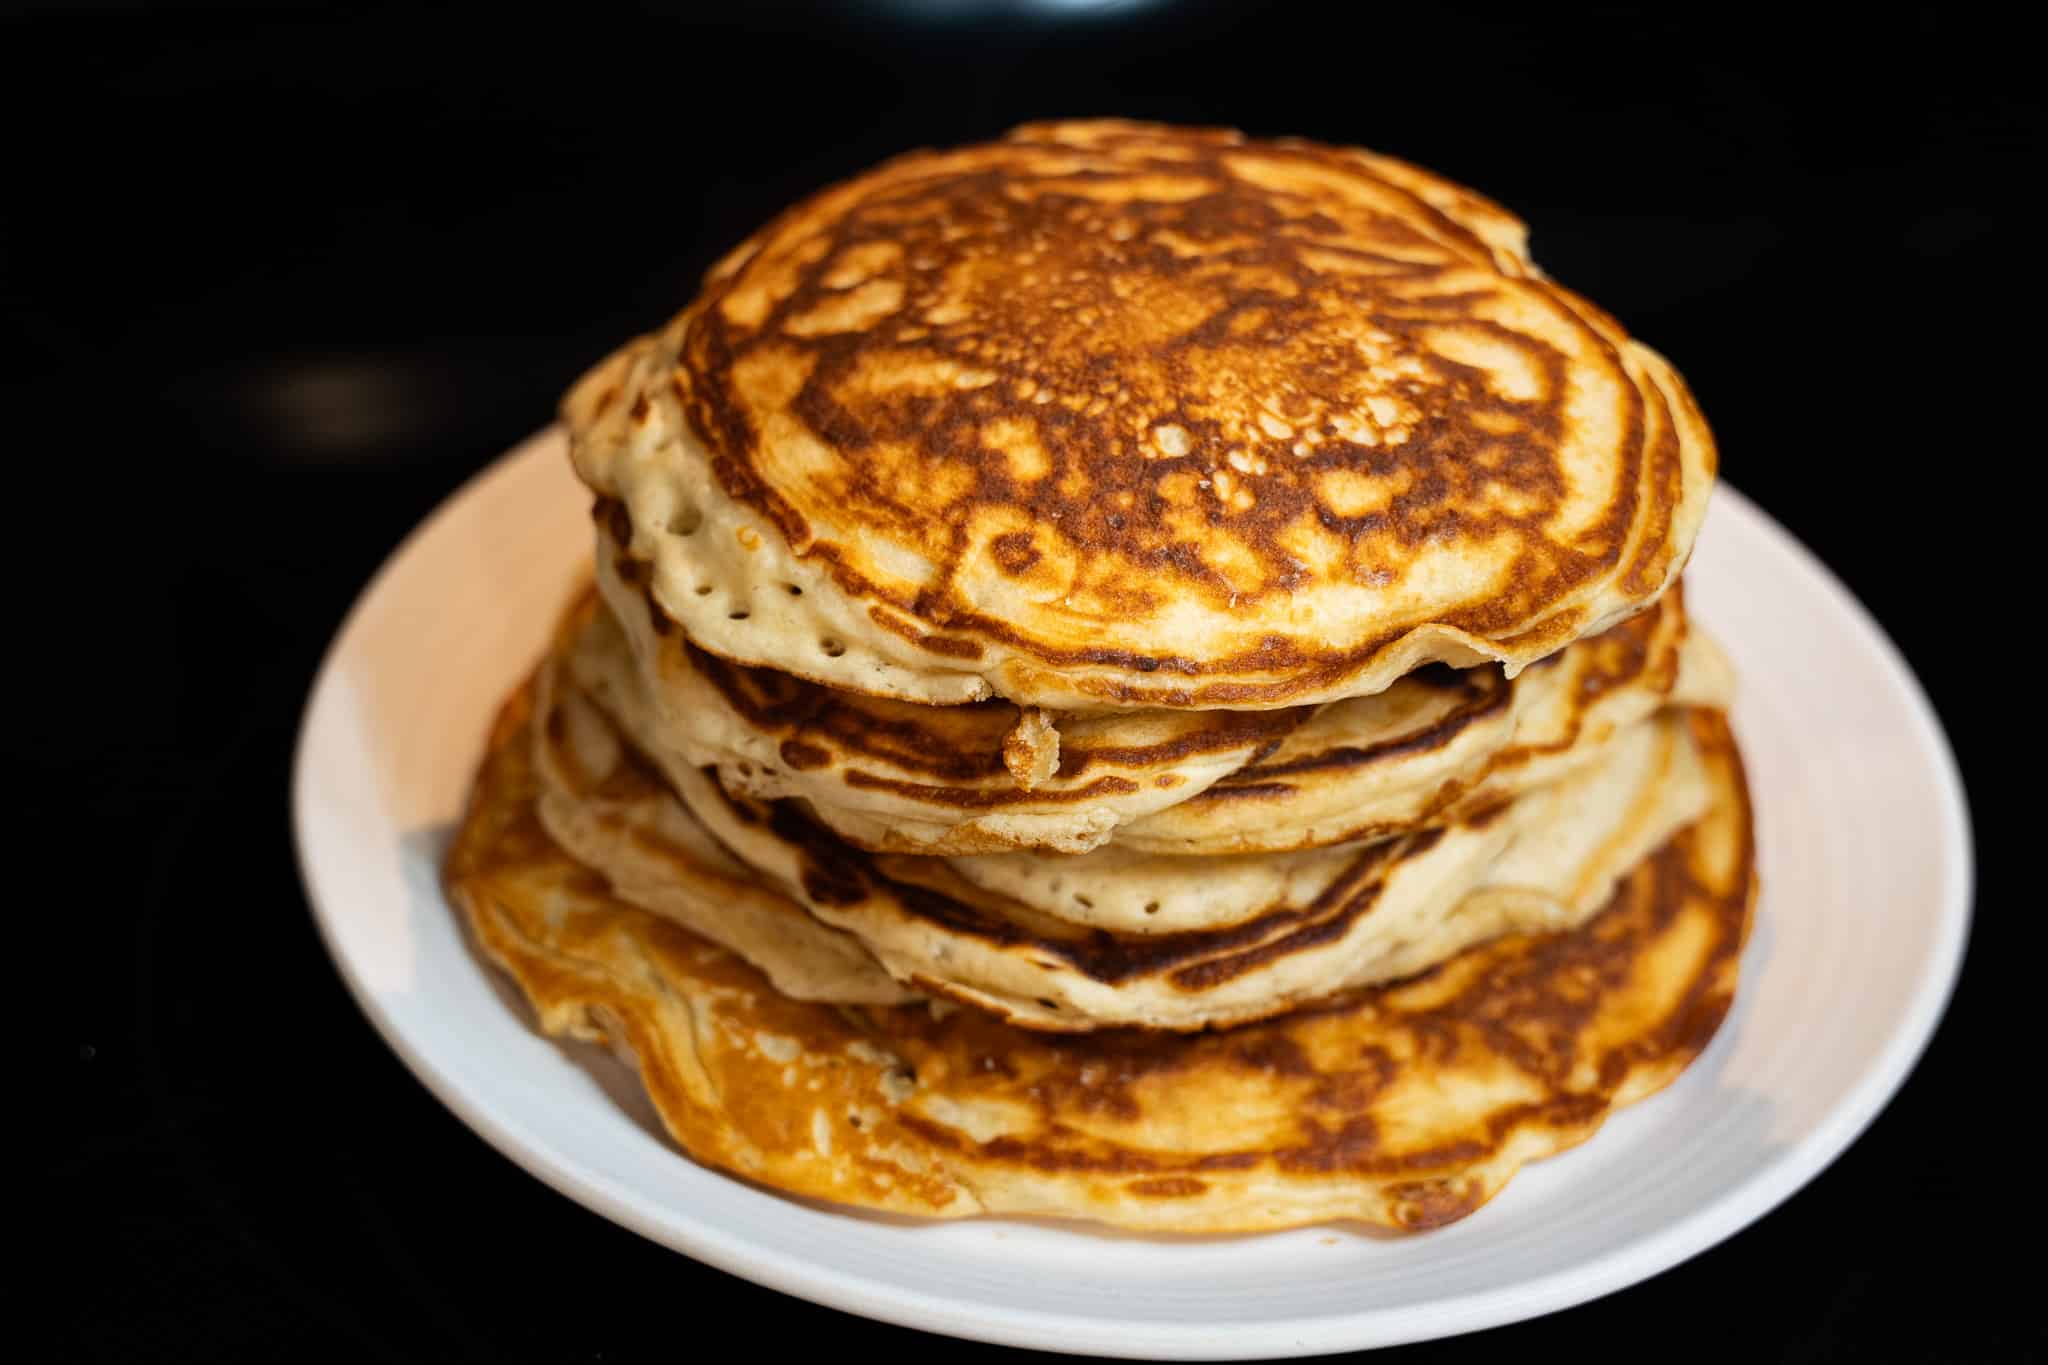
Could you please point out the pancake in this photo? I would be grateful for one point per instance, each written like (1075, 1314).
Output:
(1110, 415)
(1648, 774)
(1387, 910)
(600, 801)
(1440, 743)
(893, 776)
(1406, 1106)
(1120, 938)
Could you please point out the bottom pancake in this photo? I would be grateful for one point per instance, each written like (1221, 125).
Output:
(1406, 1105)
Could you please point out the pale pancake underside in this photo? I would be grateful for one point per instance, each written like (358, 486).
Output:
(892, 776)
(1119, 938)
(1406, 1106)
(1117, 415)
(613, 813)
(895, 775)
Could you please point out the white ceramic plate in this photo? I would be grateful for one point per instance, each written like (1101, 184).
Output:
(1866, 874)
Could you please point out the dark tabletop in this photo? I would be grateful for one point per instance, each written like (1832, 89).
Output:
(275, 282)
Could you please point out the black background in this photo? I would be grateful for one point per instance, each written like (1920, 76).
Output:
(275, 282)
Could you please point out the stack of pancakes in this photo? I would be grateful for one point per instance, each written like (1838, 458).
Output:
(1136, 674)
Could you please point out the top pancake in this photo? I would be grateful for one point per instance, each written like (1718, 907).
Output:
(1117, 415)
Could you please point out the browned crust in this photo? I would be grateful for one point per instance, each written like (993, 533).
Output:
(1623, 656)
(1581, 1015)
(1274, 309)
(836, 873)
(959, 749)
(950, 745)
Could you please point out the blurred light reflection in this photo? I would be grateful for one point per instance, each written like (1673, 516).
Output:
(339, 408)
(947, 10)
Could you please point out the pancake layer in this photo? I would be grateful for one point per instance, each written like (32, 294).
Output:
(1407, 1105)
(987, 777)
(1114, 938)
(1112, 415)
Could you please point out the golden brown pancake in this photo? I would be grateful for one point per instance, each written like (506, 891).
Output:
(1262, 939)
(1112, 415)
(1441, 743)
(896, 777)
(1110, 937)
(599, 800)
(1407, 1105)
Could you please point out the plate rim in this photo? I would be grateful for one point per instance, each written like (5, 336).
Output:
(1619, 1267)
